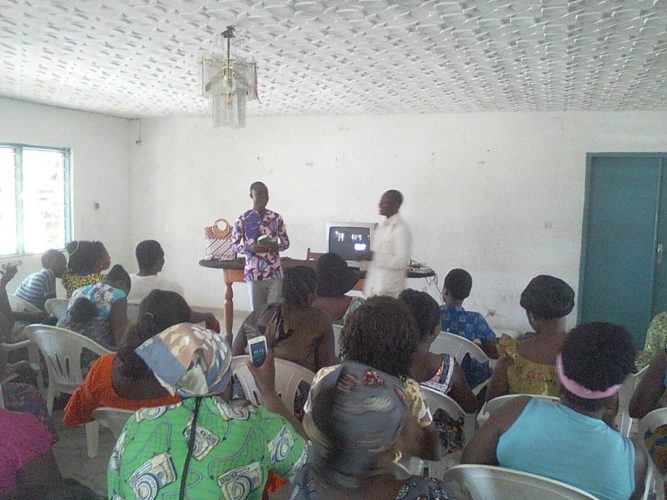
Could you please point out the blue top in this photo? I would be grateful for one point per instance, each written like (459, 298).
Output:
(38, 288)
(468, 324)
(554, 441)
(100, 294)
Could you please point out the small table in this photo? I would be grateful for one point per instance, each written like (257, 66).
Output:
(233, 273)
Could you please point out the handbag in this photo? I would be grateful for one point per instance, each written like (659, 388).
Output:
(219, 241)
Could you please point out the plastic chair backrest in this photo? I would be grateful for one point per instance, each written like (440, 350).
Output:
(132, 312)
(486, 482)
(623, 419)
(492, 406)
(651, 421)
(457, 346)
(113, 418)
(62, 350)
(288, 377)
(437, 401)
(17, 304)
(57, 307)
(337, 329)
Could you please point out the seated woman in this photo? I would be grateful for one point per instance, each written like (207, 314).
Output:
(25, 452)
(656, 340)
(529, 366)
(648, 397)
(87, 260)
(570, 442)
(334, 280)
(439, 372)
(294, 329)
(383, 334)
(99, 311)
(357, 420)
(122, 380)
(206, 446)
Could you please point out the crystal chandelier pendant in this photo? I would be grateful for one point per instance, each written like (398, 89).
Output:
(228, 83)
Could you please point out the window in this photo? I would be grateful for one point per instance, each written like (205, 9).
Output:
(34, 199)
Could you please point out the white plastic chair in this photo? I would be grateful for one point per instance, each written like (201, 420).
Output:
(438, 401)
(57, 307)
(624, 421)
(486, 482)
(17, 304)
(112, 418)
(33, 358)
(337, 329)
(458, 347)
(492, 406)
(132, 312)
(655, 481)
(61, 349)
(288, 377)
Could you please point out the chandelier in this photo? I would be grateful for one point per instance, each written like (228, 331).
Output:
(228, 82)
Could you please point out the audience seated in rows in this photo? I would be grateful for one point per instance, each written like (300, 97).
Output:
(528, 366)
(334, 280)
(295, 330)
(122, 380)
(41, 285)
(206, 446)
(150, 258)
(87, 260)
(383, 334)
(648, 397)
(439, 372)
(358, 422)
(468, 324)
(571, 442)
(99, 311)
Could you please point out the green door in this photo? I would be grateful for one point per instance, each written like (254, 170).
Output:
(620, 239)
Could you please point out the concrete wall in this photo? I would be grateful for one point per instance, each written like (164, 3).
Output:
(500, 194)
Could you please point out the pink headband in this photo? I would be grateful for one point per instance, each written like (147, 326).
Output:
(578, 389)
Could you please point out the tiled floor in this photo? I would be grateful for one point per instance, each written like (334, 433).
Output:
(70, 450)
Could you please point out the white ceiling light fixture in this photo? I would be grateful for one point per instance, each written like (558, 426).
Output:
(228, 82)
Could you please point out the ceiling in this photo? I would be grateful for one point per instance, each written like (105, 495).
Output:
(141, 57)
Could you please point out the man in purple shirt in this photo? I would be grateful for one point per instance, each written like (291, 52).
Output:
(259, 235)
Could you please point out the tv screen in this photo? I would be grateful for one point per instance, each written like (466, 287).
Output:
(349, 241)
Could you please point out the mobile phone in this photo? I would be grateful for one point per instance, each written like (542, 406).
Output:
(257, 349)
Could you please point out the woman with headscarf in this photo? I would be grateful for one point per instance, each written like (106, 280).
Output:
(383, 334)
(294, 329)
(570, 442)
(356, 420)
(206, 446)
(528, 366)
(334, 280)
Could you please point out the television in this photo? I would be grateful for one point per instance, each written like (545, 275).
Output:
(350, 239)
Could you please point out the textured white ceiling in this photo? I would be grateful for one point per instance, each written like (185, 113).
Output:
(141, 57)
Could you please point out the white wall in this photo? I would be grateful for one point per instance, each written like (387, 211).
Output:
(100, 169)
(500, 194)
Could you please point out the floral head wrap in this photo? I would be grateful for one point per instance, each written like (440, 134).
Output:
(188, 360)
(363, 420)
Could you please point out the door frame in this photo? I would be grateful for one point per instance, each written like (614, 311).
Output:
(584, 225)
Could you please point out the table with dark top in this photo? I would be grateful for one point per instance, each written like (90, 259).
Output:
(233, 273)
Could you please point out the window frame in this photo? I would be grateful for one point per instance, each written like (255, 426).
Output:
(18, 192)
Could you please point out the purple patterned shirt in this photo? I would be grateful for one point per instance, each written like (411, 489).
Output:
(250, 226)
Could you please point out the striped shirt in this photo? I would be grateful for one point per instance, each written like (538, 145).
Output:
(38, 288)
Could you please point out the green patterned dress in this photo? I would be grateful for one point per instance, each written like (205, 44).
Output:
(235, 446)
(656, 340)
